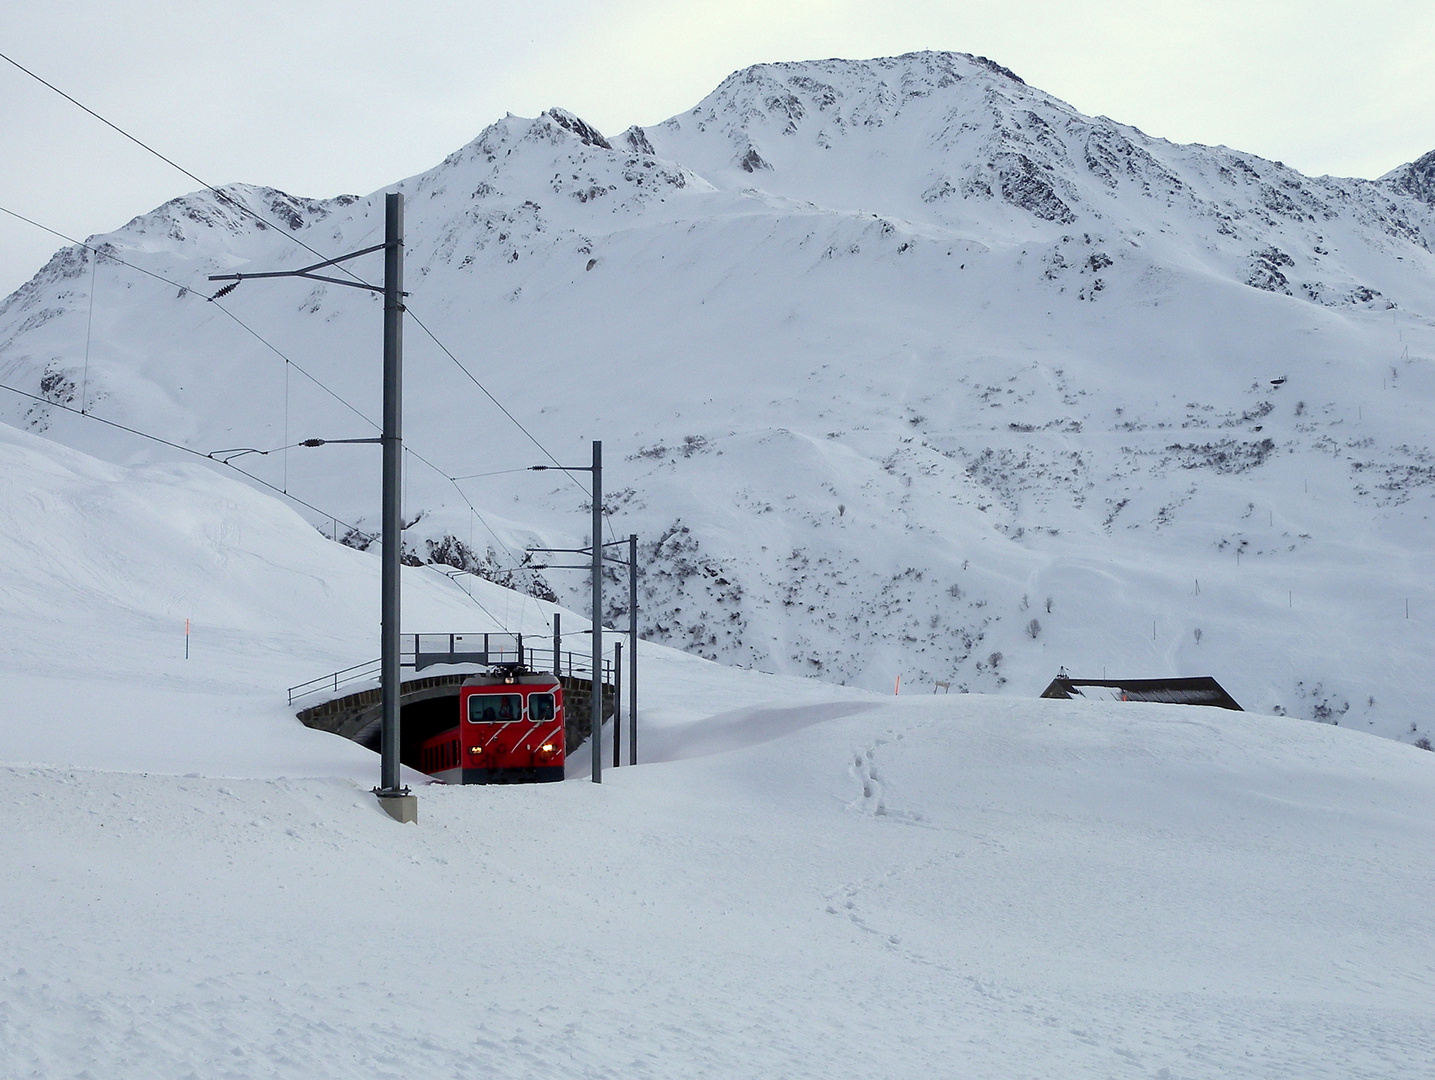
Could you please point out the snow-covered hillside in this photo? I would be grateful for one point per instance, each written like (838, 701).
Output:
(902, 367)
(801, 880)
(105, 566)
(967, 886)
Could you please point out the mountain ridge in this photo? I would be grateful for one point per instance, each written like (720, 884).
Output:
(968, 437)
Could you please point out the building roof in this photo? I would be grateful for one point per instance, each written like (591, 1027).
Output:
(1201, 690)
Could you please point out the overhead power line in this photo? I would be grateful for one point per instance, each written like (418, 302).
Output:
(229, 288)
(225, 196)
(99, 254)
(184, 449)
(214, 457)
(110, 256)
(486, 392)
(496, 472)
(229, 199)
(270, 222)
(502, 408)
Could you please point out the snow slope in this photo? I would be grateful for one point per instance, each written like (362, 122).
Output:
(902, 367)
(969, 885)
(105, 564)
(801, 880)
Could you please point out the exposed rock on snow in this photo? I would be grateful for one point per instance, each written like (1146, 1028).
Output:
(876, 349)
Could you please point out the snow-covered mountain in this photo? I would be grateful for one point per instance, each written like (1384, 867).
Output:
(902, 367)
(799, 879)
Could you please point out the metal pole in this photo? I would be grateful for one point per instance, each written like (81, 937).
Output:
(393, 480)
(617, 704)
(633, 649)
(597, 612)
(396, 801)
(557, 642)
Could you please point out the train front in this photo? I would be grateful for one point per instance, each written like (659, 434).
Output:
(510, 730)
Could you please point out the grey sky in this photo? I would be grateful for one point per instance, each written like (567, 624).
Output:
(320, 97)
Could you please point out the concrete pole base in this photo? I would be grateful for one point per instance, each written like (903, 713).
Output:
(402, 808)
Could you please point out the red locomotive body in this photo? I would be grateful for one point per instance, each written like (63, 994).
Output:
(509, 730)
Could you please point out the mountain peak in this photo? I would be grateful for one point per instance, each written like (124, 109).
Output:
(881, 349)
(1416, 179)
(585, 131)
(865, 93)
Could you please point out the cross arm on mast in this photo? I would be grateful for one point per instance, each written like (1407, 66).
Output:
(308, 271)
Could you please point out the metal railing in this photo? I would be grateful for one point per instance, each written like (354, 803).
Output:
(478, 650)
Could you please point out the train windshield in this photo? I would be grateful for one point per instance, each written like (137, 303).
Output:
(494, 708)
(540, 708)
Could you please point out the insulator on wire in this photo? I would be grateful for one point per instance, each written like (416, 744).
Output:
(224, 291)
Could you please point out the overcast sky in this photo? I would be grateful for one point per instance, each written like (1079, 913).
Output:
(320, 97)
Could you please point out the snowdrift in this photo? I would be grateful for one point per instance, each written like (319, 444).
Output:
(976, 886)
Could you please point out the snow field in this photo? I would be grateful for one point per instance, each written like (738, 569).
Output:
(801, 880)
(950, 886)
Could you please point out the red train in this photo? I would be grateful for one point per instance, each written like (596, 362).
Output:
(509, 730)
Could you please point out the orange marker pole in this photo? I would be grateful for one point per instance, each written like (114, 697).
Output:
(186, 639)
(898, 688)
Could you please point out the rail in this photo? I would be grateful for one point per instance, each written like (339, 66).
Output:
(482, 650)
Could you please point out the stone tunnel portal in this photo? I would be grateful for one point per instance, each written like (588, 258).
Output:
(429, 705)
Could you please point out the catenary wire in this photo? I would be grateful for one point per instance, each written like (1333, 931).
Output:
(102, 254)
(168, 161)
(258, 337)
(210, 457)
(487, 393)
(99, 254)
(496, 472)
(408, 308)
(185, 449)
(259, 217)
(467, 501)
(224, 196)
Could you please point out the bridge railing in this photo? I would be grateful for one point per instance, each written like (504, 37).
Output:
(480, 650)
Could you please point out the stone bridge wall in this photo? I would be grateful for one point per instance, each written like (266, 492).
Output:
(357, 716)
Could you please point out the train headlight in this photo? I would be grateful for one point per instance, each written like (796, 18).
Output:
(475, 750)
(547, 748)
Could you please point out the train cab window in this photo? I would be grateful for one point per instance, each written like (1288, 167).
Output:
(494, 708)
(540, 708)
